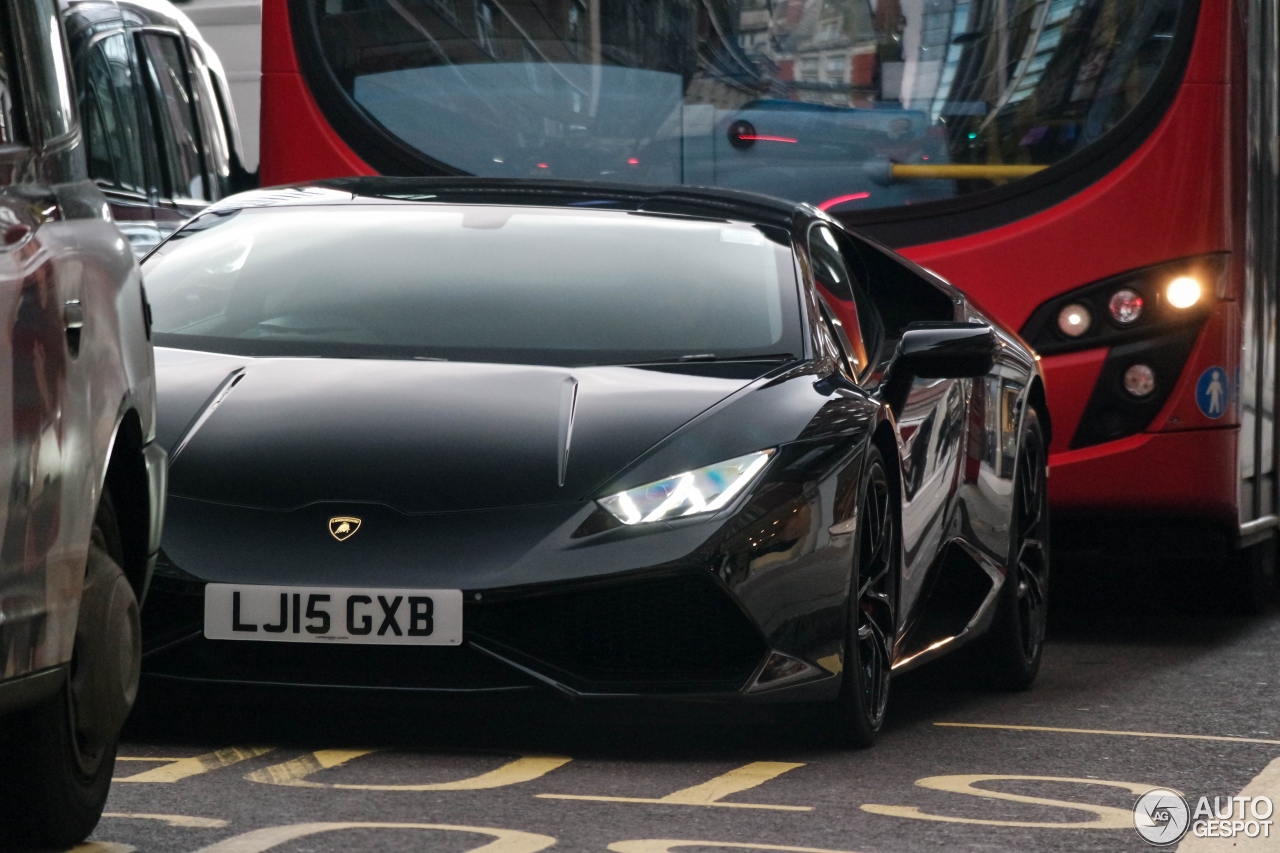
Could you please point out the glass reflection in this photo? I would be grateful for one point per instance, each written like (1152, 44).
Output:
(851, 104)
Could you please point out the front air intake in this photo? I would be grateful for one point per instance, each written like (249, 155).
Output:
(672, 633)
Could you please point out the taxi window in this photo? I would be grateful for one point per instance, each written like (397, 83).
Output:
(110, 114)
(217, 146)
(175, 111)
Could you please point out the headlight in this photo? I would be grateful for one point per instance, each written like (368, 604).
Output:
(691, 493)
(1126, 306)
(1183, 292)
(1074, 320)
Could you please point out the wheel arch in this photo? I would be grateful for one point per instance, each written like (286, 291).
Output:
(884, 439)
(126, 479)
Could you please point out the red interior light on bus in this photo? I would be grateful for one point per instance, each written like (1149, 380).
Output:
(633, 161)
(542, 165)
(841, 199)
(760, 137)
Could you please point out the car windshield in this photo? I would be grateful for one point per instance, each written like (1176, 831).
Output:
(847, 104)
(474, 283)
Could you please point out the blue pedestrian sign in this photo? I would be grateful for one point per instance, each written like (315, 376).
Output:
(1213, 393)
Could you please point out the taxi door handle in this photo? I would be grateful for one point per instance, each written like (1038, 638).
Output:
(73, 322)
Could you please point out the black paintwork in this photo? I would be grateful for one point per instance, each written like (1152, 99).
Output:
(280, 428)
(453, 469)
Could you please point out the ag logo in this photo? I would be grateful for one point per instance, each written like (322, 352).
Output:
(343, 527)
(1161, 816)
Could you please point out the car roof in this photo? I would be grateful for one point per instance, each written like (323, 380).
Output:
(153, 13)
(680, 201)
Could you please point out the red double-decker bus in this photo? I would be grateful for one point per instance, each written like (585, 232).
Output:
(1100, 174)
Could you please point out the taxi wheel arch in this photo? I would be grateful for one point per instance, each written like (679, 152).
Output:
(128, 486)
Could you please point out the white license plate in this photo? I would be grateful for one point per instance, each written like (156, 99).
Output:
(324, 614)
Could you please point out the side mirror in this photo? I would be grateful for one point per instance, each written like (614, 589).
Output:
(945, 351)
(937, 351)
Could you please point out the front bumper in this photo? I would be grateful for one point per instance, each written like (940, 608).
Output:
(742, 604)
(675, 633)
(1185, 472)
(1149, 495)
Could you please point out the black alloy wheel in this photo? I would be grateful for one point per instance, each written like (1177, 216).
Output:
(868, 662)
(1032, 563)
(1011, 651)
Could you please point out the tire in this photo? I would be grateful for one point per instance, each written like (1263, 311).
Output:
(1008, 656)
(56, 767)
(871, 620)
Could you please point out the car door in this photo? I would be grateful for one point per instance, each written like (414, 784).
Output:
(24, 335)
(931, 422)
(116, 144)
(47, 468)
(166, 71)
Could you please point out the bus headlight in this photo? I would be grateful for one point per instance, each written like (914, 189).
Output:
(1183, 292)
(1074, 320)
(1134, 305)
(1125, 305)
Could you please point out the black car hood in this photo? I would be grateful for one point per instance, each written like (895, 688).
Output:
(419, 436)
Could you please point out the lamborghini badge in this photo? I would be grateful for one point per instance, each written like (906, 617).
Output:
(343, 527)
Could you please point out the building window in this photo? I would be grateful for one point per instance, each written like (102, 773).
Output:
(577, 14)
(486, 28)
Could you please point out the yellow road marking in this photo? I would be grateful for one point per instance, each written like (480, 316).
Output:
(1108, 732)
(174, 819)
(1265, 784)
(505, 840)
(293, 773)
(524, 769)
(182, 768)
(749, 776)
(711, 793)
(143, 758)
(1105, 817)
(102, 847)
(666, 845)
(668, 802)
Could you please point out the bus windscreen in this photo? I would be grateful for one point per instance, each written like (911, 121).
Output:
(848, 104)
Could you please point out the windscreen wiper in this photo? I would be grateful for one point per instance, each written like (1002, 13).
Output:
(710, 358)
